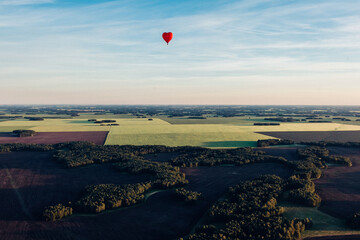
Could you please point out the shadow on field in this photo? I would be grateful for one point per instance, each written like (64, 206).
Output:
(230, 144)
(33, 181)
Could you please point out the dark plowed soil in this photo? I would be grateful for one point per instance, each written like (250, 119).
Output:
(287, 152)
(347, 237)
(30, 181)
(315, 136)
(339, 186)
(56, 137)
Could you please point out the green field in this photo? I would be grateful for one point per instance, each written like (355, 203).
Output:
(323, 224)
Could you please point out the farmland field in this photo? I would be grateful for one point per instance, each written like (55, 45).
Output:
(211, 132)
(315, 136)
(56, 137)
(339, 186)
(52, 125)
(143, 132)
(244, 121)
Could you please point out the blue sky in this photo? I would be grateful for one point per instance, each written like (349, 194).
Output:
(223, 52)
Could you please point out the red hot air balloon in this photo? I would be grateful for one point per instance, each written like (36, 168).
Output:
(167, 36)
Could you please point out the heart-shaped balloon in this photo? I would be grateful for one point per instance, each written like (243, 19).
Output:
(167, 36)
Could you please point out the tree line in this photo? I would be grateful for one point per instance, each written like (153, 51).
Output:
(24, 133)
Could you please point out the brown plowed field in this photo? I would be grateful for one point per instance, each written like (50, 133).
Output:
(315, 136)
(30, 181)
(344, 237)
(339, 186)
(56, 137)
(290, 153)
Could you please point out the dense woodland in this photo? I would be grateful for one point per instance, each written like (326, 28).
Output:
(322, 155)
(250, 212)
(103, 197)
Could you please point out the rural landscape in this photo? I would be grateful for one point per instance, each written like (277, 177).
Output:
(179, 120)
(180, 172)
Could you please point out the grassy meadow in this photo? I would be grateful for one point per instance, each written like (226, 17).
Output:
(323, 224)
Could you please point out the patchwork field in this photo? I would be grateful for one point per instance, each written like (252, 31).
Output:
(211, 132)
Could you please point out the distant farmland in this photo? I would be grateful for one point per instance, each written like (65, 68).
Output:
(211, 132)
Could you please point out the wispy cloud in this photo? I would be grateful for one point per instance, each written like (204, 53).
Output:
(23, 2)
(117, 45)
